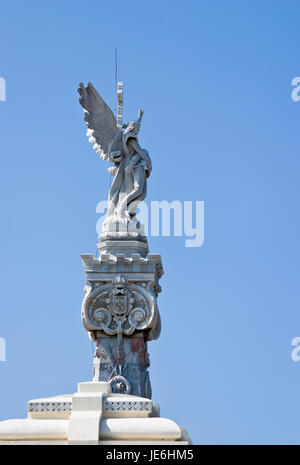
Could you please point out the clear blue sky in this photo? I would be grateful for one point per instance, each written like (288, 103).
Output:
(214, 79)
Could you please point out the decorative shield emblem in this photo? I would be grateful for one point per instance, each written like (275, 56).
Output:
(120, 305)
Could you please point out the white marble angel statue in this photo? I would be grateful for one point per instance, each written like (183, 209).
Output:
(132, 164)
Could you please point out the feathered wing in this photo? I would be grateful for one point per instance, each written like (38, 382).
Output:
(101, 122)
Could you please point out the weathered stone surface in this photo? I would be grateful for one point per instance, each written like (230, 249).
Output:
(120, 312)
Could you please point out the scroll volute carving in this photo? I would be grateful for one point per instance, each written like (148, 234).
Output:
(121, 307)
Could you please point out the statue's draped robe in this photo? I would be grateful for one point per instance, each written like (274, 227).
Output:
(123, 182)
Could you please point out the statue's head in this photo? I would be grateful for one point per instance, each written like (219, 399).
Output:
(134, 126)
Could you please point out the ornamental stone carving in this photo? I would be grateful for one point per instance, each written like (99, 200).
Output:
(121, 308)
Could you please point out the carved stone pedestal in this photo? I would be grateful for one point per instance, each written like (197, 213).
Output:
(120, 312)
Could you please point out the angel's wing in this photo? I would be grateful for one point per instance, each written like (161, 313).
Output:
(101, 122)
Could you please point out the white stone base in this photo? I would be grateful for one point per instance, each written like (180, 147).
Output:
(92, 416)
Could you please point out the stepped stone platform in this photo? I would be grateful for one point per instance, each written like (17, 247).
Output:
(92, 416)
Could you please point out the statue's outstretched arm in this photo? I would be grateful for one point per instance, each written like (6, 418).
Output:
(140, 115)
